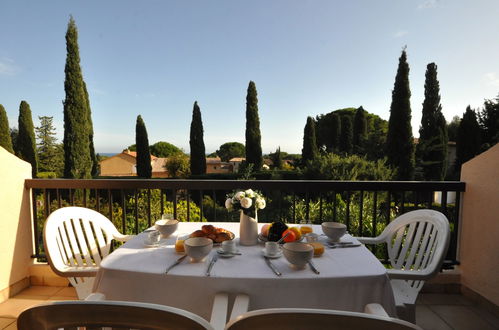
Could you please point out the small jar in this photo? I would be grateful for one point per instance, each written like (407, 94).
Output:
(306, 227)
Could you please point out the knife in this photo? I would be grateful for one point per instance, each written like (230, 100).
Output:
(271, 265)
(343, 246)
(210, 266)
(179, 260)
(312, 266)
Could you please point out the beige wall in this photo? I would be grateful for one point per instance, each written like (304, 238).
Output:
(479, 243)
(16, 244)
(118, 165)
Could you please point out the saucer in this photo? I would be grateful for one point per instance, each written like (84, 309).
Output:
(148, 244)
(272, 256)
(223, 254)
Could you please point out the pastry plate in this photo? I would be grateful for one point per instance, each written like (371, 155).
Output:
(231, 235)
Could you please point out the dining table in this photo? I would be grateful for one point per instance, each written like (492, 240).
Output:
(348, 279)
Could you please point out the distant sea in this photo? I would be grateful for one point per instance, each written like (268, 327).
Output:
(108, 154)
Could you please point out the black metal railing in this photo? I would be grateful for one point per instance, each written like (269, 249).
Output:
(366, 207)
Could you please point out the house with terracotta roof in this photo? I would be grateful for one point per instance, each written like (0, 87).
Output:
(125, 164)
(215, 165)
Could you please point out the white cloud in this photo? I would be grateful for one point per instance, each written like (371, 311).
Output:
(7, 67)
(492, 79)
(428, 4)
(400, 33)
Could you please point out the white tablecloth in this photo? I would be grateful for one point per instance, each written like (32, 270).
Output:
(349, 278)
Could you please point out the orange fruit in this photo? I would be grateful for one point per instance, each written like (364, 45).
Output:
(297, 232)
(291, 237)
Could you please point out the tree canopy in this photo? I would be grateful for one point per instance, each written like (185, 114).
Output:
(26, 142)
(468, 138)
(5, 139)
(230, 150)
(50, 154)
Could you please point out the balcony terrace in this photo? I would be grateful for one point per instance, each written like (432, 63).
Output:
(465, 295)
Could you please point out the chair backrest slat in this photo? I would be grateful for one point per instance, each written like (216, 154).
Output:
(66, 254)
(423, 246)
(73, 242)
(428, 257)
(407, 242)
(416, 243)
(89, 234)
(81, 240)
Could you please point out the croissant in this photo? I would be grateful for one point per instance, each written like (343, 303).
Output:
(220, 237)
(198, 233)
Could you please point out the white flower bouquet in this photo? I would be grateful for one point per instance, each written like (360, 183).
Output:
(248, 201)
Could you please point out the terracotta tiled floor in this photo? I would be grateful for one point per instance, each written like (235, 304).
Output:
(433, 312)
(10, 309)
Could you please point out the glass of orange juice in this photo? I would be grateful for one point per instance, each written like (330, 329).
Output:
(305, 227)
(179, 242)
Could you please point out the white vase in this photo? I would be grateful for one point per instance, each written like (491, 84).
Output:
(248, 230)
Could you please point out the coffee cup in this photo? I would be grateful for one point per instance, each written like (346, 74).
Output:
(229, 246)
(153, 237)
(271, 248)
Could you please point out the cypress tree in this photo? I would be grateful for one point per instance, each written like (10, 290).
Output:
(77, 160)
(253, 137)
(309, 150)
(277, 158)
(26, 142)
(93, 157)
(432, 145)
(359, 130)
(196, 142)
(399, 141)
(5, 139)
(468, 138)
(346, 138)
(335, 132)
(144, 168)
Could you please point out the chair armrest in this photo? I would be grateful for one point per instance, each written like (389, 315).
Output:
(122, 238)
(416, 275)
(375, 309)
(369, 240)
(219, 311)
(77, 271)
(96, 296)
(241, 304)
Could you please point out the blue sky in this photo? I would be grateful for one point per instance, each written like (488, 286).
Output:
(156, 57)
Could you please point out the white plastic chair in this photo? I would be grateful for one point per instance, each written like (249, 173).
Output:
(76, 240)
(98, 314)
(417, 243)
(318, 319)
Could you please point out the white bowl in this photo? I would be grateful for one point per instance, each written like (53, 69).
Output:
(334, 230)
(166, 227)
(197, 248)
(298, 254)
